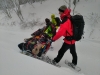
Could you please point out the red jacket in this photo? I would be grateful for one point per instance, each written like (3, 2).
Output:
(66, 26)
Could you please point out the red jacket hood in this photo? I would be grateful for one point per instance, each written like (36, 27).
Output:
(66, 13)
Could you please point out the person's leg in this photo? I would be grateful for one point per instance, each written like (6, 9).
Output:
(74, 54)
(61, 52)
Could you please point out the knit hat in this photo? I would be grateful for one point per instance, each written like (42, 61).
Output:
(62, 8)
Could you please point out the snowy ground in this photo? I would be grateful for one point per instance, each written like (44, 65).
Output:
(14, 63)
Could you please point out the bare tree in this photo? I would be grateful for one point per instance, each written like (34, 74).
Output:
(31, 1)
(17, 9)
(78, 0)
(74, 2)
(69, 3)
(5, 8)
(41, 1)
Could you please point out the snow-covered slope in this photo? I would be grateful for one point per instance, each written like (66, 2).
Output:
(14, 63)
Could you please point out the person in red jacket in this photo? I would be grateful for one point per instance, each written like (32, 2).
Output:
(65, 30)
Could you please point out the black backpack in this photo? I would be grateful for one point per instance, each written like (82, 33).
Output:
(58, 21)
(78, 27)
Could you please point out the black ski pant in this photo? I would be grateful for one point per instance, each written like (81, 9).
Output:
(63, 49)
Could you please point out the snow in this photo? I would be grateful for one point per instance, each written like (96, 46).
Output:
(12, 62)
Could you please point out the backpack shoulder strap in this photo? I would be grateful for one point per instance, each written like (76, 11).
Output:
(64, 19)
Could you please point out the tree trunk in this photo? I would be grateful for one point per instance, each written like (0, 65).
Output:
(6, 9)
(74, 2)
(17, 9)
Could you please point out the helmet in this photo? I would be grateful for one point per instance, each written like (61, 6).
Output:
(52, 16)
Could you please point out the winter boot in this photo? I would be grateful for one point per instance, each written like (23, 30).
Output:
(53, 62)
(71, 65)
